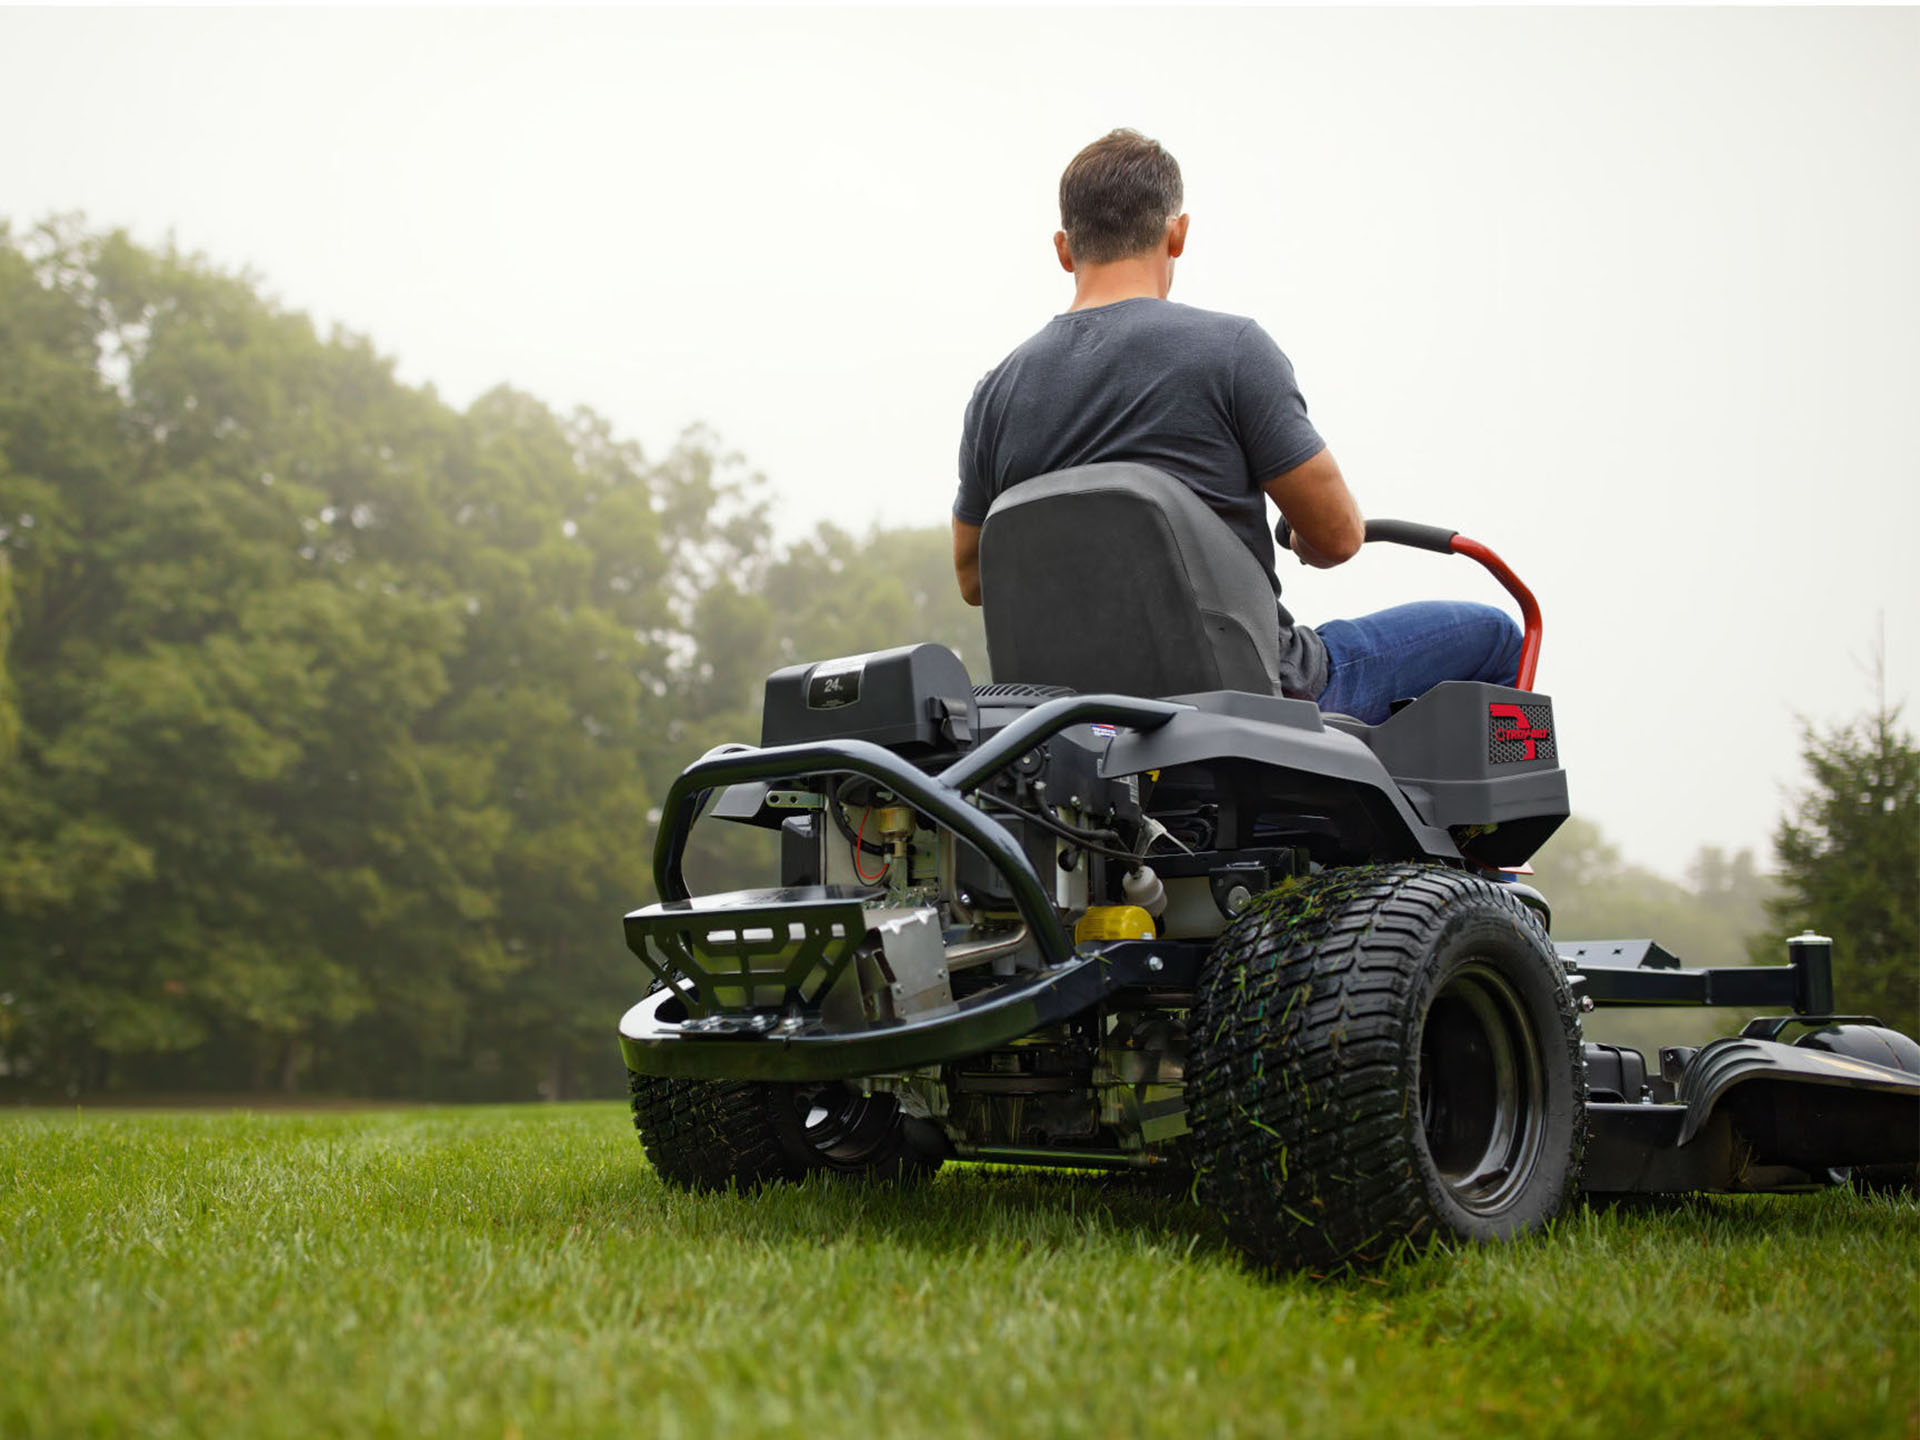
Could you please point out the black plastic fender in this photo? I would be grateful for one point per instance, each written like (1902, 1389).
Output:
(1287, 736)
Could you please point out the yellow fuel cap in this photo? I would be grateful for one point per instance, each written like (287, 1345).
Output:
(1113, 922)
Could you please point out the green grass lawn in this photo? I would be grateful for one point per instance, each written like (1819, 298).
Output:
(500, 1272)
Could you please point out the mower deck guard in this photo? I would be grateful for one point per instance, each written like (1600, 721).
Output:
(1750, 1112)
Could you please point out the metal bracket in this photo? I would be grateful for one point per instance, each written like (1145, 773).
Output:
(795, 800)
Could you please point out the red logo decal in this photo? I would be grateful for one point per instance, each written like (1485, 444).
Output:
(1517, 728)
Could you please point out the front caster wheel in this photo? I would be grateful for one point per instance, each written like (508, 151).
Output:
(722, 1134)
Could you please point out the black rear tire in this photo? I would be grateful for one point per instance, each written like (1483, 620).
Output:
(1384, 1056)
(737, 1134)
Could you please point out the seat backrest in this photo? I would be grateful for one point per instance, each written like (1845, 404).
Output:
(1118, 577)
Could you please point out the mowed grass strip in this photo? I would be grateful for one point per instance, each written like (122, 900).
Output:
(498, 1272)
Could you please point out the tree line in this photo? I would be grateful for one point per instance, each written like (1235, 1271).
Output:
(333, 717)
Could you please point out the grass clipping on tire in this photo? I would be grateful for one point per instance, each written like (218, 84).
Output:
(1311, 1118)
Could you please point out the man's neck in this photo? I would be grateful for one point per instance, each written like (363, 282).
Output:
(1143, 277)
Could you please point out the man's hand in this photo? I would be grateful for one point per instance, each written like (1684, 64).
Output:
(966, 560)
(1327, 526)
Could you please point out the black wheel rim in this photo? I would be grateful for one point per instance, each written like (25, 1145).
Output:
(844, 1128)
(1482, 1089)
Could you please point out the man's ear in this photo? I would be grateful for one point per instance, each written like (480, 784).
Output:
(1060, 249)
(1177, 235)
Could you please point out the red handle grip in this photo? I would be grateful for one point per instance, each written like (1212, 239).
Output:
(1529, 607)
(1431, 537)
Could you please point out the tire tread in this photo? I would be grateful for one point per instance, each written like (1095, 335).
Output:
(709, 1134)
(1298, 1091)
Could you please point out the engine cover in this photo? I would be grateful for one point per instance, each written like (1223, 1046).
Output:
(911, 698)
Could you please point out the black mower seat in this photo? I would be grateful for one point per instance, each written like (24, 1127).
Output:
(1119, 578)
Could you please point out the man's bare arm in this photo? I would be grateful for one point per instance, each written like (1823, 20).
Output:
(966, 560)
(1327, 526)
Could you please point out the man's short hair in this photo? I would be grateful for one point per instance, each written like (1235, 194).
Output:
(1117, 196)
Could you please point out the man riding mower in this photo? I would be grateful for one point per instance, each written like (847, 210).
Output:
(1127, 906)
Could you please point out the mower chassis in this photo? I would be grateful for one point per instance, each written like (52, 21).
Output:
(1750, 1113)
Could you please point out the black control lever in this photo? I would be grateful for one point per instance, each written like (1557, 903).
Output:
(1392, 532)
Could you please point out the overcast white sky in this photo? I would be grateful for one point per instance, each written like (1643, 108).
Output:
(1633, 296)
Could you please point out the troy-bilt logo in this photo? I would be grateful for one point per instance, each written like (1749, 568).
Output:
(1511, 727)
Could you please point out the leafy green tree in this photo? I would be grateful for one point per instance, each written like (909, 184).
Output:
(1734, 892)
(836, 594)
(191, 637)
(1596, 893)
(338, 711)
(332, 719)
(566, 686)
(9, 715)
(9, 739)
(1849, 856)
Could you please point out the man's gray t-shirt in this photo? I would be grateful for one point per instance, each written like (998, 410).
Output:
(1206, 397)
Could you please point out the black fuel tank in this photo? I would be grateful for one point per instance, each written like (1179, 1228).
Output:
(910, 697)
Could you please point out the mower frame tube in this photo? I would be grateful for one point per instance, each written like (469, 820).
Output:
(654, 1045)
(1640, 972)
(1045, 721)
(942, 798)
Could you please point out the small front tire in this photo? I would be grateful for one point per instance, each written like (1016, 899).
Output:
(737, 1134)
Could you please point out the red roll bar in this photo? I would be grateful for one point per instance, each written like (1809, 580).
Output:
(1529, 607)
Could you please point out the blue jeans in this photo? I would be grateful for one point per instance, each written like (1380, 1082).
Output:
(1401, 653)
